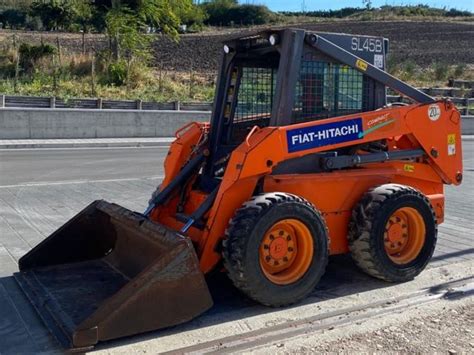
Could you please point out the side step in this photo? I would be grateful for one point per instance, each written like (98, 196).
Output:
(109, 273)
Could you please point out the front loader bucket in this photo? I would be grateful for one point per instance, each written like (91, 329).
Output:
(108, 273)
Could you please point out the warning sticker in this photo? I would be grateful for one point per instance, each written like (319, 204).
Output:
(451, 144)
(361, 64)
(409, 168)
(378, 61)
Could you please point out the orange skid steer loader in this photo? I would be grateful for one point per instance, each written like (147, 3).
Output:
(302, 159)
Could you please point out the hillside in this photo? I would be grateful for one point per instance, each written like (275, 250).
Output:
(421, 42)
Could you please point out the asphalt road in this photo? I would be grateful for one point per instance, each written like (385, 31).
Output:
(44, 166)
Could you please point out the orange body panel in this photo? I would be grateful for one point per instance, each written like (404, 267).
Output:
(333, 193)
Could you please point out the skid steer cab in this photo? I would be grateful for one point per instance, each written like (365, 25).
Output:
(302, 159)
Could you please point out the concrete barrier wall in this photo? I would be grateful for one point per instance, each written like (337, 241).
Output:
(24, 123)
(468, 125)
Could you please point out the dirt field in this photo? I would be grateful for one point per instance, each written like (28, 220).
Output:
(422, 42)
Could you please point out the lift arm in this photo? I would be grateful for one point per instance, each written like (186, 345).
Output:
(368, 69)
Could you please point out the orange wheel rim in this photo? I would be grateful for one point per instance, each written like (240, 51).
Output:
(286, 251)
(404, 235)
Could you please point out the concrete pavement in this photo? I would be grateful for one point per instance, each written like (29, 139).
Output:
(50, 167)
(41, 189)
(86, 143)
(131, 142)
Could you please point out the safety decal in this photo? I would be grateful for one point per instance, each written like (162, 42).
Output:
(361, 64)
(409, 168)
(434, 112)
(451, 144)
(378, 61)
(325, 134)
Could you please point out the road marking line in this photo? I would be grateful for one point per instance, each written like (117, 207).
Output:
(47, 183)
(84, 148)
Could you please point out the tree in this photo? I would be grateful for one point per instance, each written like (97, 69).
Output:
(83, 13)
(55, 14)
(126, 21)
(13, 18)
(124, 29)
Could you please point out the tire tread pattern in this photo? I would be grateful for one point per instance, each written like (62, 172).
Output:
(363, 216)
(234, 244)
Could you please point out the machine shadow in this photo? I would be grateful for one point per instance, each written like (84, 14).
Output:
(342, 278)
(22, 331)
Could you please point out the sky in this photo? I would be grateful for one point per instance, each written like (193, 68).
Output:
(296, 5)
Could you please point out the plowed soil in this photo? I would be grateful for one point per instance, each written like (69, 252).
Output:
(422, 42)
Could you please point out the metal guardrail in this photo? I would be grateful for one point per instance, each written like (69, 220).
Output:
(465, 105)
(53, 102)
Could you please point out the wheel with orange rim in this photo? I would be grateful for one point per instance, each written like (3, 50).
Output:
(393, 232)
(276, 248)
(286, 251)
(404, 235)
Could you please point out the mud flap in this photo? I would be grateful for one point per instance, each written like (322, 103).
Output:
(109, 273)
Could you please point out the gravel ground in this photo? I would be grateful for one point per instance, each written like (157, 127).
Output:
(448, 331)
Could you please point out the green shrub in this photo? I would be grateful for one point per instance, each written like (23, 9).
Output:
(459, 70)
(229, 12)
(30, 55)
(13, 18)
(407, 70)
(440, 71)
(392, 64)
(80, 66)
(116, 73)
(7, 64)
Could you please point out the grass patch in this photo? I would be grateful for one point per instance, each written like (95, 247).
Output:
(154, 86)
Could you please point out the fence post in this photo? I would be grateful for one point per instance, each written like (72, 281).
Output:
(52, 102)
(139, 104)
(177, 106)
(2, 101)
(99, 103)
(93, 75)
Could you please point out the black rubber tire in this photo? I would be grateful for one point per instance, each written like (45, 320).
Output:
(367, 227)
(245, 233)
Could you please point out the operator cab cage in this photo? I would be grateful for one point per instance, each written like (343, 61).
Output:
(279, 78)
